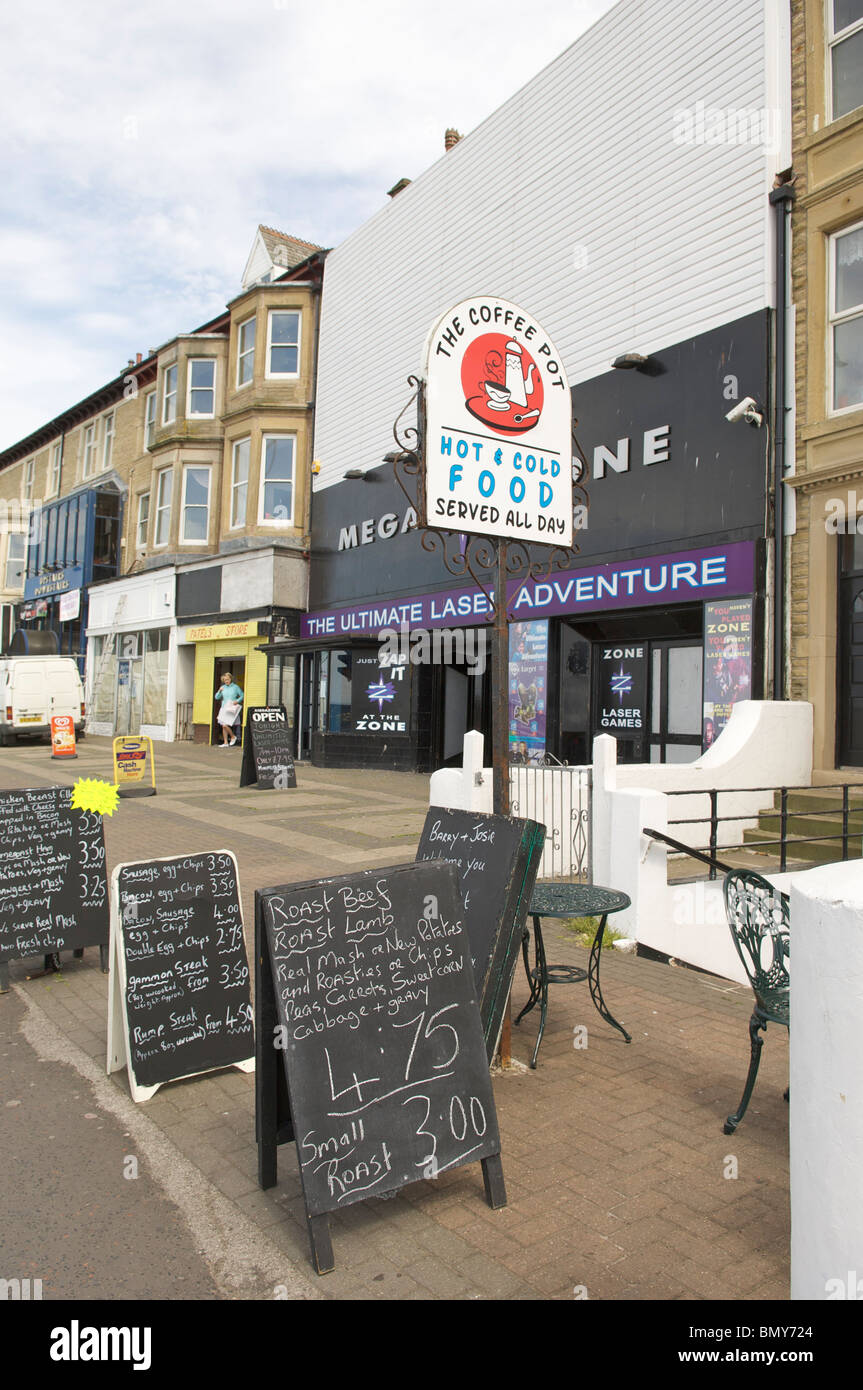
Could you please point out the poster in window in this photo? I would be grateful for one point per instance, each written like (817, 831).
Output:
(622, 704)
(528, 691)
(380, 695)
(727, 662)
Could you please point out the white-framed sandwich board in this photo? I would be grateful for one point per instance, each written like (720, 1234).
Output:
(179, 999)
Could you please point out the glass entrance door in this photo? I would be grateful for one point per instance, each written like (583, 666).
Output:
(306, 703)
(675, 701)
(129, 692)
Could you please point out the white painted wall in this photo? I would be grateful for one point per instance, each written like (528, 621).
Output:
(826, 1046)
(766, 743)
(247, 582)
(149, 601)
(577, 199)
(465, 788)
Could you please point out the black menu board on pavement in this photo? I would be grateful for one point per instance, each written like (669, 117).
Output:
(364, 983)
(497, 859)
(268, 760)
(53, 885)
(179, 988)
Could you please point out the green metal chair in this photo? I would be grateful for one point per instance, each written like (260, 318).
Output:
(758, 916)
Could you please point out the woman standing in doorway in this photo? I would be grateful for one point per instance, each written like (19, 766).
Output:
(231, 697)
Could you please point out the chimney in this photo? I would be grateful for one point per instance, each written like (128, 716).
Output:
(451, 137)
(137, 357)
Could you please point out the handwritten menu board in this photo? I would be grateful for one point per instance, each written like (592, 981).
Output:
(179, 974)
(366, 986)
(268, 761)
(497, 859)
(53, 885)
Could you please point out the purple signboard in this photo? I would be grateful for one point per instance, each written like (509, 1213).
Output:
(722, 571)
(528, 691)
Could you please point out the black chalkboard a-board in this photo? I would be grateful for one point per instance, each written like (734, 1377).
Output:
(365, 986)
(268, 760)
(179, 991)
(53, 884)
(497, 858)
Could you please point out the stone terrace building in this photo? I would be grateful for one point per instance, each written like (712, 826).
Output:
(200, 452)
(63, 487)
(826, 551)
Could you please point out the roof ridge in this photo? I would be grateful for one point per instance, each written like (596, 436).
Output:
(288, 236)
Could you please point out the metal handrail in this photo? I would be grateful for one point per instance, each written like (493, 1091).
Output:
(791, 787)
(688, 850)
(782, 814)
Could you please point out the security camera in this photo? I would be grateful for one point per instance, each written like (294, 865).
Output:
(747, 410)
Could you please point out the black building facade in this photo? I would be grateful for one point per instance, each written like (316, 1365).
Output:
(651, 633)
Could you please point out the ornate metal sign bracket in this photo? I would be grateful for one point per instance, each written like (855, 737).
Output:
(476, 556)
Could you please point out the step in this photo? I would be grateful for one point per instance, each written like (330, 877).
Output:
(817, 800)
(815, 826)
(828, 776)
(825, 852)
(688, 870)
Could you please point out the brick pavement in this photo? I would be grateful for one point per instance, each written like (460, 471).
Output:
(617, 1170)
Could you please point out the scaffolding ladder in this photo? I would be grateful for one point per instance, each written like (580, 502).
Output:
(106, 654)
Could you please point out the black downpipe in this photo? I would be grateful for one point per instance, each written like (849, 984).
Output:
(781, 198)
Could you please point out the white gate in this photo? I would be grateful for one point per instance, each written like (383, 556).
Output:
(558, 797)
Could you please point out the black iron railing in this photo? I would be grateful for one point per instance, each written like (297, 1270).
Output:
(776, 845)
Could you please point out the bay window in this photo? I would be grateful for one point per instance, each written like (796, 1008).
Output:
(283, 344)
(277, 479)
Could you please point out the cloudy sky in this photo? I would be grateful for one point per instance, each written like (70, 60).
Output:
(143, 145)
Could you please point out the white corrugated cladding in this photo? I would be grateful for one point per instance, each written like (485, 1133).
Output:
(576, 199)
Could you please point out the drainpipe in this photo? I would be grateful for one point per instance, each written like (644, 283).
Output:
(781, 199)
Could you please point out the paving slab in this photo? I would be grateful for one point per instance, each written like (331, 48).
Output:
(617, 1168)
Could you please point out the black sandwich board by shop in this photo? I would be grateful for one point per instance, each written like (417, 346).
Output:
(268, 760)
(364, 989)
(178, 994)
(497, 859)
(53, 883)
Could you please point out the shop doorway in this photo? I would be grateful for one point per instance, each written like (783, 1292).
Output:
(235, 666)
(647, 693)
(312, 678)
(849, 697)
(461, 701)
(675, 701)
(130, 671)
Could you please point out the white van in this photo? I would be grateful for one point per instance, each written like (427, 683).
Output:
(32, 689)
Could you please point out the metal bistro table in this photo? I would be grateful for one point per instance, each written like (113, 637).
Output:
(567, 900)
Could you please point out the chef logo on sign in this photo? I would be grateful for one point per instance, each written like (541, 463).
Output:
(502, 384)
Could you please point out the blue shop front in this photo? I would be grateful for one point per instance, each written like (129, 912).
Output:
(77, 543)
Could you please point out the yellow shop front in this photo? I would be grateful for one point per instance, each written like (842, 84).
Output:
(217, 649)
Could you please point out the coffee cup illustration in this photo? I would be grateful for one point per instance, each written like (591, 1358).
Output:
(498, 395)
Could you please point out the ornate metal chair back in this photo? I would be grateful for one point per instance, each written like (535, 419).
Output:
(758, 917)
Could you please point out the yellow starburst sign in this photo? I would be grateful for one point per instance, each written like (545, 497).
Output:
(91, 794)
